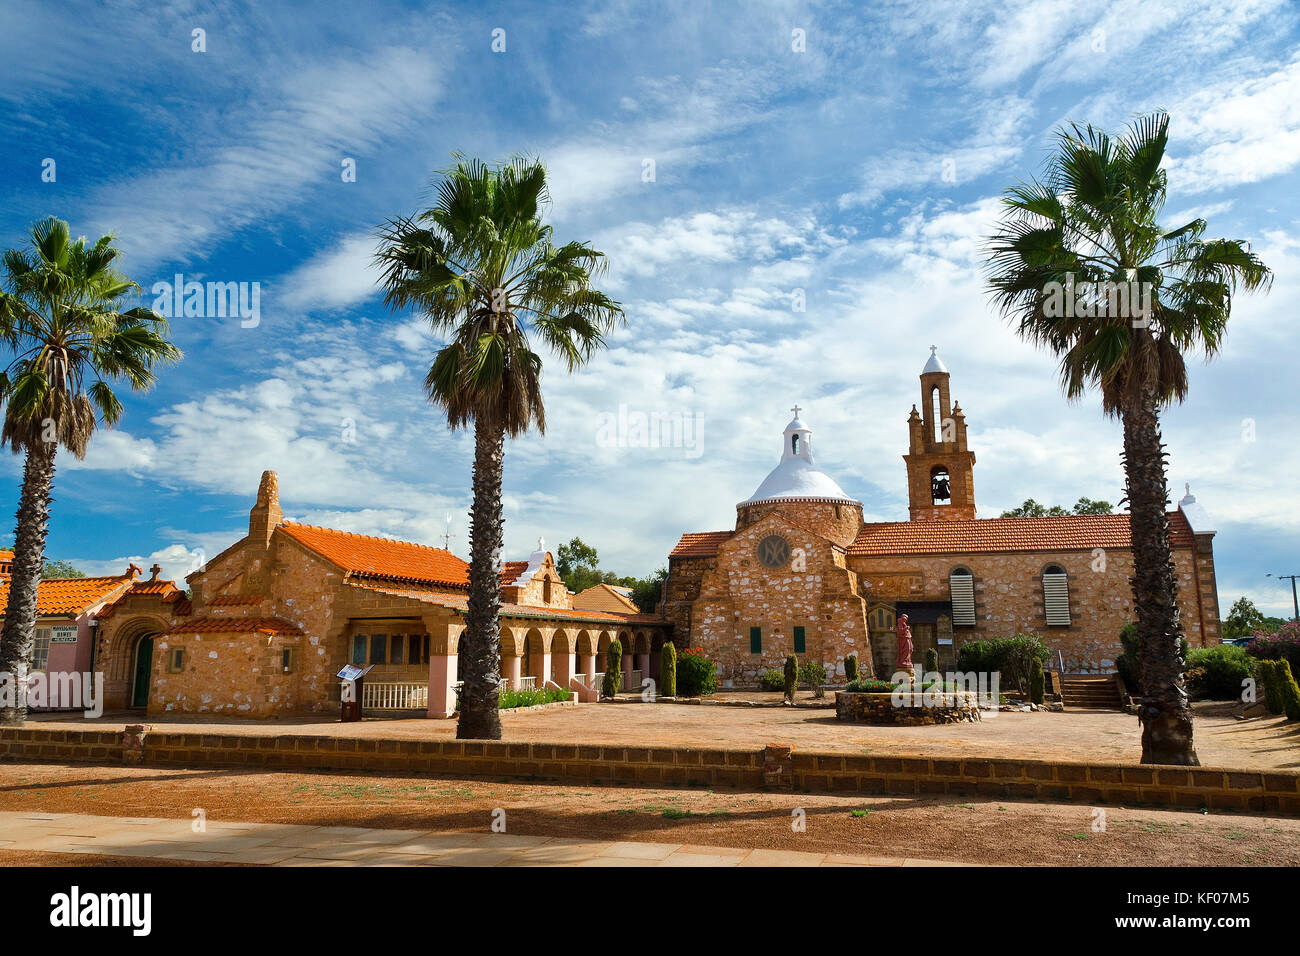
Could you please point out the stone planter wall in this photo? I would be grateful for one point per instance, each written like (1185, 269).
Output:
(864, 708)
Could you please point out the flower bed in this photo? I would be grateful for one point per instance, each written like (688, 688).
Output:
(906, 708)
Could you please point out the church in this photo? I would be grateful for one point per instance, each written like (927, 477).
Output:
(801, 572)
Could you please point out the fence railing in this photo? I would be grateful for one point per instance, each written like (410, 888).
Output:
(395, 695)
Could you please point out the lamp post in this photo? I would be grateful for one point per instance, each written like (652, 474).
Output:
(1295, 604)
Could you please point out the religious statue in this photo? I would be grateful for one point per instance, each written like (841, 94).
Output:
(904, 633)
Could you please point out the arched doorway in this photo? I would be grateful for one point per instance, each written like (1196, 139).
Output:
(142, 671)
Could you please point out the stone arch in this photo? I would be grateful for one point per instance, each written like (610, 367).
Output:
(537, 655)
(117, 655)
(602, 645)
(512, 643)
(585, 642)
(641, 642)
(562, 642)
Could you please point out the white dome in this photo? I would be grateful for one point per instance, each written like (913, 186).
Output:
(797, 476)
(935, 364)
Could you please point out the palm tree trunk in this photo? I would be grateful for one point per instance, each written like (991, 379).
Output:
(29, 563)
(1165, 712)
(480, 646)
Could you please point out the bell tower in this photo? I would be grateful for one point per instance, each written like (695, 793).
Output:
(940, 482)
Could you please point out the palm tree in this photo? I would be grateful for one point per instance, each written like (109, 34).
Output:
(1094, 218)
(481, 265)
(61, 313)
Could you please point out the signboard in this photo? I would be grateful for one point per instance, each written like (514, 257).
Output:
(63, 634)
(945, 640)
(351, 672)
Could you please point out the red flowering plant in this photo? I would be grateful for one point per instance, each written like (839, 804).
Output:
(1282, 646)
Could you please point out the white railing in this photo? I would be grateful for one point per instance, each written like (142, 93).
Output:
(632, 681)
(400, 695)
(528, 683)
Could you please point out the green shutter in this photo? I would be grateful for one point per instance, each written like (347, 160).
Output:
(756, 640)
(799, 644)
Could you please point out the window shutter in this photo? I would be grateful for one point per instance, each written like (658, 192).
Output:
(961, 588)
(756, 640)
(1056, 598)
(800, 645)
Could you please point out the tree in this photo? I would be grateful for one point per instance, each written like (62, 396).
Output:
(62, 315)
(1071, 251)
(579, 565)
(481, 265)
(61, 569)
(1032, 509)
(648, 592)
(1244, 618)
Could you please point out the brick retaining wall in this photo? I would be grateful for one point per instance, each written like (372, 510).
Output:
(774, 767)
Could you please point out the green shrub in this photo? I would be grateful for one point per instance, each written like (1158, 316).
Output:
(1273, 696)
(1217, 672)
(1011, 657)
(791, 676)
(510, 699)
(1036, 681)
(869, 685)
(1282, 646)
(696, 675)
(613, 670)
(772, 679)
(812, 674)
(1284, 679)
(668, 671)
(931, 660)
(851, 668)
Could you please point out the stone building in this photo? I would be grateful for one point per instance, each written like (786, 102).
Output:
(801, 572)
(271, 620)
(68, 612)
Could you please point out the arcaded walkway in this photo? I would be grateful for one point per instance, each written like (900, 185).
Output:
(1265, 743)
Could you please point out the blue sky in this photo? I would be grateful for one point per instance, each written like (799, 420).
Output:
(863, 169)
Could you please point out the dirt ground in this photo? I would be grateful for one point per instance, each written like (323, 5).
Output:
(974, 830)
(1222, 740)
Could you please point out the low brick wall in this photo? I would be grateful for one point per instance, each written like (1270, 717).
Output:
(771, 767)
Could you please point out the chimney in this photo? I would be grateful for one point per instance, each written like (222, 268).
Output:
(266, 514)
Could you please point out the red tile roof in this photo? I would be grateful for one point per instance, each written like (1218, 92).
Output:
(510, 571)
(68, 596)
(234, 625)
(459, 602)
(381, 557)
(704, 544)
(167, 590)
(1058, 533)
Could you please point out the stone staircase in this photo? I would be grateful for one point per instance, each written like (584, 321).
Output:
(1090, 692)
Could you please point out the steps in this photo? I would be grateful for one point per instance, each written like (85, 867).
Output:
(1090, 692)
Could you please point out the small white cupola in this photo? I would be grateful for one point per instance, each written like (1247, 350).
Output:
(798, 439)
(935, 364)
(1195, 513)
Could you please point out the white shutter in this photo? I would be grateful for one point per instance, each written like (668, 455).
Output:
(961, 587)
(1056, 598)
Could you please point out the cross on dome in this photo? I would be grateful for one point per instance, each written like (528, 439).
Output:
(796, 411)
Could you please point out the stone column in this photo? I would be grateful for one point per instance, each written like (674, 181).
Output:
(442, 674)
(643, 665)
(627, 670)
(443, 638)
(589, 666)
(510, 670)
(563, 669)
(539, 666)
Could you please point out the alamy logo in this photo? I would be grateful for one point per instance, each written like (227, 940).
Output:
(1127, 299)
(55, 690)
(74, 908)
(212, 300)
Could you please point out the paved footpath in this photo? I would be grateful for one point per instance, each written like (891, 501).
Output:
(278, 844)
